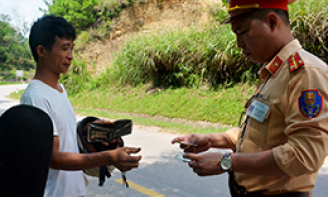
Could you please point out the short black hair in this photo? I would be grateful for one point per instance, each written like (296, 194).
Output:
(45, 30)
(261, 14)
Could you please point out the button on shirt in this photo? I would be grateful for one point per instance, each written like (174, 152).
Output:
(296, 127)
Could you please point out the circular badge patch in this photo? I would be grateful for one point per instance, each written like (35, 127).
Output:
(310, 103)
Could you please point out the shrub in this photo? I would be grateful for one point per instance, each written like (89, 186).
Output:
(77, 78)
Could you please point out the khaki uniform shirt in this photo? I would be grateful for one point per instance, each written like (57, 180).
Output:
(295, 128)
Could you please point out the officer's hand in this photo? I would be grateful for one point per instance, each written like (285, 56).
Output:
(202, 143)
(123, 160)
(205, 164)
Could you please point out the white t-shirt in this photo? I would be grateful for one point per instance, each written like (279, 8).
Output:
(60, 183)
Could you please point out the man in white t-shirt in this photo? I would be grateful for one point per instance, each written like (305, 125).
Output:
(51, 42)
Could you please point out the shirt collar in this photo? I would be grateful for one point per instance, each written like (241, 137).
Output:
(274, 66)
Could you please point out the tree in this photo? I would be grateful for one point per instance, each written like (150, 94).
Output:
(78, 12)
(14, 50)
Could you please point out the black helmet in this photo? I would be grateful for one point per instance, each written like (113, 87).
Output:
(92, 141)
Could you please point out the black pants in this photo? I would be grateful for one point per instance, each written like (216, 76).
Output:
(240, 191)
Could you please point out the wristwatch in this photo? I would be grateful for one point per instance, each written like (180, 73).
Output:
(226, 162)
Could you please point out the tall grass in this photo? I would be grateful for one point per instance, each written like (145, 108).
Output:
(309, 21)
(209, 55)
(178, 58)
(201, 56)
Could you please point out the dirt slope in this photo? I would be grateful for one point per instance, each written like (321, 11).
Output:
(146, 17)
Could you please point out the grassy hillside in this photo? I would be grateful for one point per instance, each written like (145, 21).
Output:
(185, 76)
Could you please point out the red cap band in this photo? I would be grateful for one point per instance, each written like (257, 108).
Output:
(237, 5)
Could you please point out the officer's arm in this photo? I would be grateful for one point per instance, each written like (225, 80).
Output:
(227, 139)
(221, 140)
(262, 163)
(75, 161)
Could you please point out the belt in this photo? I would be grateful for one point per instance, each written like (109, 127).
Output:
(240, 191)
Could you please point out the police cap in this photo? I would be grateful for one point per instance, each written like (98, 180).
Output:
(237, 7)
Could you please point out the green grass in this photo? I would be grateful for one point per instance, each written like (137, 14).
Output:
(148, 108)
(164, 126)
(9, 83)
(173, 110)
(221, 106)
(16, 95)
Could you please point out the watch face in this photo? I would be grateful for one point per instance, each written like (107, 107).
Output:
(226, 163)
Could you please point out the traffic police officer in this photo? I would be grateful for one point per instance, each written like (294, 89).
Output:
(283, 140)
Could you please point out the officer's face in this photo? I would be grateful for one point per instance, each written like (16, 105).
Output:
(253, 37)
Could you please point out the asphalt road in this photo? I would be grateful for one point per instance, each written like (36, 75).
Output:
(159, 174)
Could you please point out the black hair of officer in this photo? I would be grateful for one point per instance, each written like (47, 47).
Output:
(45, 30)
(261, 14)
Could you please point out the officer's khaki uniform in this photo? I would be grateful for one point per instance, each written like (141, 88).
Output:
(299, 140)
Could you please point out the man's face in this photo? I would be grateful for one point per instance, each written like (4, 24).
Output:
(253, 38)
(61, 56)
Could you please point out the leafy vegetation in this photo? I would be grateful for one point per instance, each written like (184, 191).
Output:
(14, 50)
(91, 18)
(78, 12)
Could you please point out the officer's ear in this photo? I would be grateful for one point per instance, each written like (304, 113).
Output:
(272, 20)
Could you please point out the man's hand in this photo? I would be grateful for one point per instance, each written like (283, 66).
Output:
(98, 121)
(103, 121)
(202, 143)
(206, 164)
(122, 159)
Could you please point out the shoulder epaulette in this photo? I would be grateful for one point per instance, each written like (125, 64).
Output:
(295, 62)
(275, 65)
